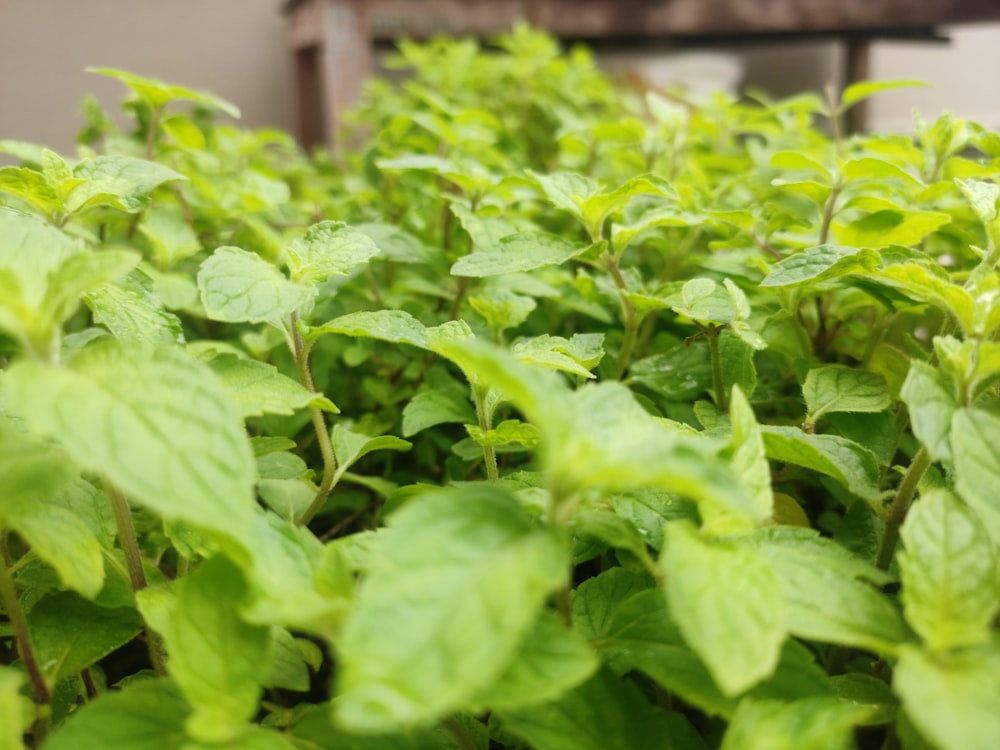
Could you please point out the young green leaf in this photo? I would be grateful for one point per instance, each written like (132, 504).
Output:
(822, 723)
(820, 263)
(524, 251)
(975, 442)
(856, 92)
(131, 311)
(954, 701)
(350, 447)
(837, 388)
(166, 434)
(121, 182)
(12, 709)
(455, 588)
(932, 404)
(144, 715)
(214, 655)
(237, 286)
(158, 94)
(747, 455)
(826, 590)
(258, 388)
(397, 326)
(603, 713)
(552, 661)
(729, 607)
(851, 464)
(951, 591)
(433, 407)
(70, 634)
(330, 248)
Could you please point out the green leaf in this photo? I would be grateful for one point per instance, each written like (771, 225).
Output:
(826, 590)
(258, 388)
(70, 634)
(122, 182)
(919, 283)
(170, 236)
(747, 454)
(849, 463)
(509, 432)
(796, 160)
(214, 655)
(975, 442)
(131, 311)
(11, 709)
(820, 723)
(434, 407)
(604, 713)
(565, 190)
(158, 94)
(237, 286)
(396, 326)
(350, 447)
(288, 669)
(31, 186)
(295, 581)
(728, 605)
(953, 700)
(818, 264)
(144, 715)
(599, 437)
(552, 660)
(596, 209)
(931, 403)
(856, 92)
(454, 589)
(837, 388)
(502, 309)
(951, 591)
(523, 251)
(34, 476)
(982, 196)
(330, 248)
(681, 373)
(157, 424)
(868, 168)
(60, 538)
(890, 225)
(556, 353)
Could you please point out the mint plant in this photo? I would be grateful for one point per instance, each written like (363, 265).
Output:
(547, 415)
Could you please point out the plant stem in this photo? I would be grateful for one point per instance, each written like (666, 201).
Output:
(483, 417)
(133, 561)
(12, 606)
(718, 382)
(829, 211)
(460, 734)
(301, 353)
(628, 313)
(901, 502)
(126, 535)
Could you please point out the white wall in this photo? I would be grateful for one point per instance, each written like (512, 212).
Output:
(233, 48)
(238, 50)
(964, 77)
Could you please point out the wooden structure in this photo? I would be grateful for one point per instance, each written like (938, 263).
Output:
(333, 39)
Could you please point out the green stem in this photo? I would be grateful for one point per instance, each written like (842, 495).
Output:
(483, 417)
(628, 313)
(301, 352)
(126, 535)
(133, 561)
(829, 211)
(900, 505)
(12, 606)
(718, 382)
(460, 734)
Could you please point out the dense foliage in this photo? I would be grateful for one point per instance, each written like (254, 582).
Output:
(547, 415)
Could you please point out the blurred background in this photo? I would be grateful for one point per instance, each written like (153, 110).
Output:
(296, 64)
